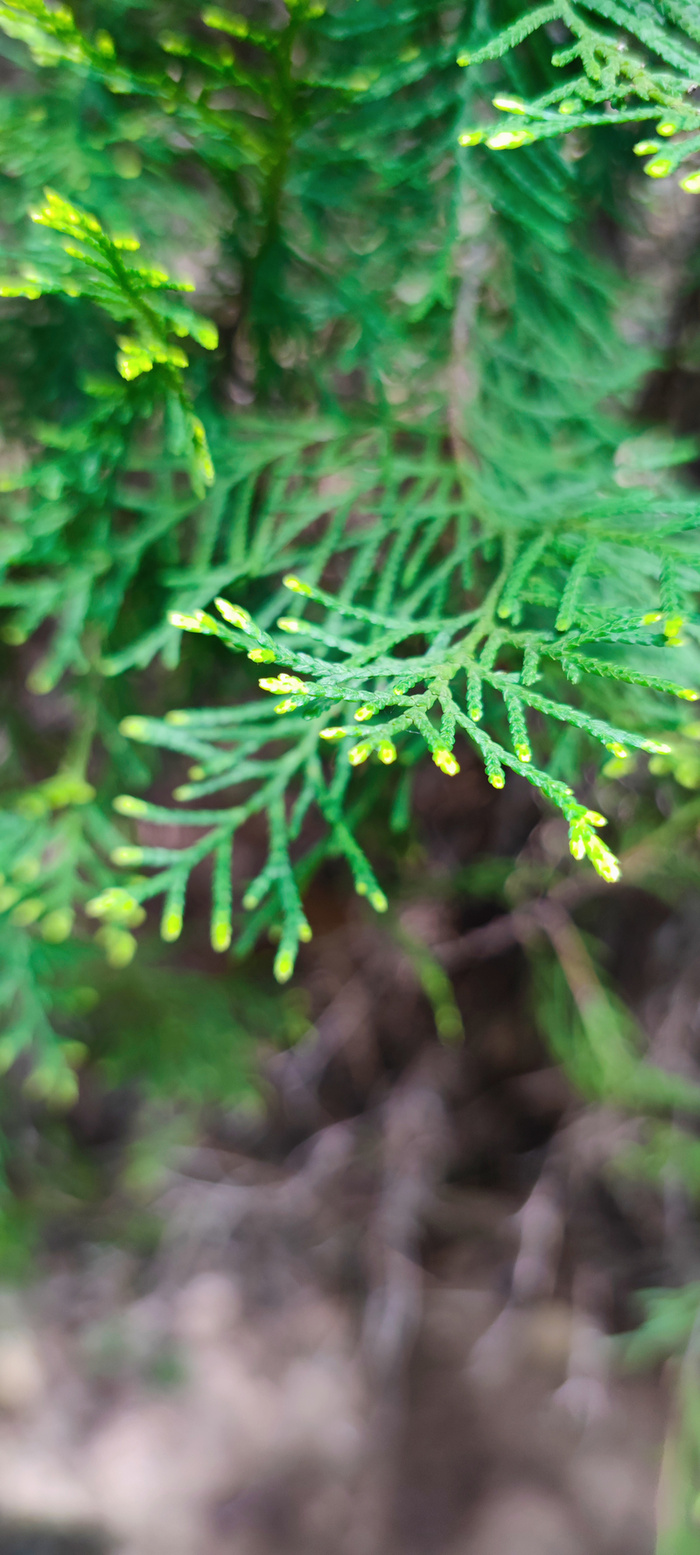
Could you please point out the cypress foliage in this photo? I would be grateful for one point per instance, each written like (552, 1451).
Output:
(417, 336)
(380, 454)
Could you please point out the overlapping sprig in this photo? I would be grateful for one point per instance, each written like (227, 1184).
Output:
(74, 488)
(136, 294)
(409, 532)
(53, 841)
(616, 84)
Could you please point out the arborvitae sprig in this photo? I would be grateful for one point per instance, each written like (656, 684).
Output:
(416, 338)
(133, 294)
(616, 84)
(350, 685)
(427, 336)
(52, 846)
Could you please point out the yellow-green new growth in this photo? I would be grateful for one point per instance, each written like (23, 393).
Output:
(171, 926)
(27, 911)
(283, 682)
(444, 759)
(509, 140)
(234, 614)
(129, 804)
(583, 840)
(199, 621)
(284, 966)
(118, 944)
(508, 104)
(115, 904)
(659, 168)
(57, 926)
(221, 935)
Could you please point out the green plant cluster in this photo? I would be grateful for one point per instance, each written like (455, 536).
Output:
(426, 337)
(392, 471)
(619, 82)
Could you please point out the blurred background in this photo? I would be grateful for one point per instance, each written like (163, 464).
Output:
(381, 1304)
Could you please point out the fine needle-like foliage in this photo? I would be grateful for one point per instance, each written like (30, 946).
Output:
(403, 402)
(395, 471)
(373, 679)
(404, 415)
(617, 82)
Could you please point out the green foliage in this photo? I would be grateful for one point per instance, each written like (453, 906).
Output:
(616, 84)
(430, 695)
(427, 336)
(396, 455)
(669, 1319)
(671, 1328)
